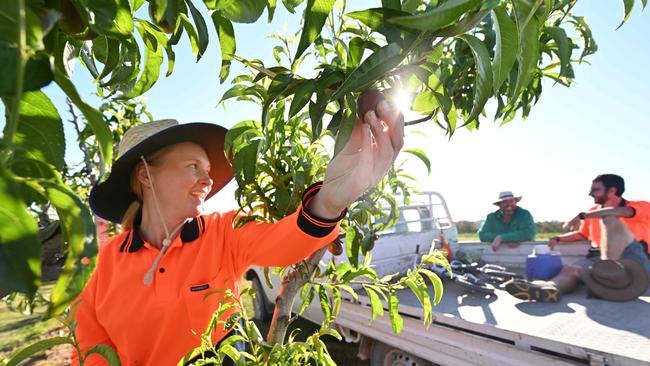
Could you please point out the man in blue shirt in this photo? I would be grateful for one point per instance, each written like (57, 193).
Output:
(508, 224)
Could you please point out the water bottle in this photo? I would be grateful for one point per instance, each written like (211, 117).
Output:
(542, 264)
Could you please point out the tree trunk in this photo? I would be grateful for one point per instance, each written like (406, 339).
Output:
(291, 285)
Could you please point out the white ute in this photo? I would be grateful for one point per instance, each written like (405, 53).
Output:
(473, 329)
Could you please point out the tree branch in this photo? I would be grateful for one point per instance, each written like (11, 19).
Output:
(291, 285)
(420, 120)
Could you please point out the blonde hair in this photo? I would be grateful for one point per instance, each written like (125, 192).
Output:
(134, 209)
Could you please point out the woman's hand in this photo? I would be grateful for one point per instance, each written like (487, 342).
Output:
(363, 162)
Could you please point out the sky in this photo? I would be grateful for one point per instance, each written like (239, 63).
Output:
(598, 125)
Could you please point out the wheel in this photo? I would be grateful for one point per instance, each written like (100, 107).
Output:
(261, 304)
(385, 355)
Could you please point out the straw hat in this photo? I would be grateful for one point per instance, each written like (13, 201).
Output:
(506, 195)
(616, 280)
(111, 198)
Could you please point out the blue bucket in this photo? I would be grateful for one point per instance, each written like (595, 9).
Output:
(543, 266)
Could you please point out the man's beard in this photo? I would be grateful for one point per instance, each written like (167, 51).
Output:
(600, 200)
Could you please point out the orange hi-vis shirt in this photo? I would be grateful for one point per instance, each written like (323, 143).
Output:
(639, 224)
(157, 325)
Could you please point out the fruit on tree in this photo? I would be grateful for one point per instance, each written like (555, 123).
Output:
(71, 21)
(368, 101)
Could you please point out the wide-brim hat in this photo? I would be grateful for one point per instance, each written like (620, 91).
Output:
(506, 195)
(616, 280)
(110, 198)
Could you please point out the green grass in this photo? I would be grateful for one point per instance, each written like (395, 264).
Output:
(17, 329)
(474, 236)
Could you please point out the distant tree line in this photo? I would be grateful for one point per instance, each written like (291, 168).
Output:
(542, 226)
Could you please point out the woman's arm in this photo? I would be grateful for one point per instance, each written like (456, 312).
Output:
(89, 332)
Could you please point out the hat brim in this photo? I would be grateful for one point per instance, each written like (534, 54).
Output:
(517, 199)
(111, 198)
(638, 285)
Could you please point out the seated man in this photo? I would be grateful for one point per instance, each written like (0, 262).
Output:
(618, 229)
(508, 224)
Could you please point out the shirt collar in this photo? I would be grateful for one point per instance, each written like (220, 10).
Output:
(191, 231)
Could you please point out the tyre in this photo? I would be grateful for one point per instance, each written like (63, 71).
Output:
(385, 355)
(261, 304)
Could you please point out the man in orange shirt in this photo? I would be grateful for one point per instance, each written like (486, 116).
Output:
(617, 228)
(157, 283)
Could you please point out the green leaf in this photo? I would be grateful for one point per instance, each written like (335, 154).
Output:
(164, 41)
(191, 33)
(153, 60)
(507, 44)
(628, 5)
(324, 303)
(469, 22)
(422, 296)
(302, 97)
(10, 26)
(371, 69)
(240, 11)
(227, 42)
(355, 51)
(644, 2)
(316, 13)
(40, 129)
(391, 4)
(307, 296)
(79, 232)
(395, 319)
(270, 7)
(95, 119)
(35, 348)
(441, 16)
(316, 113)
(107, 352)
(37, 73)
(112, 58)
(279, 84)
(483, 83)
(20, 247)
(291, 5)
(159, 7)
(376, 18)
(110, 17)
(410, 5)
(129, 64)
(563, 44)
(424, 102)
(200, 27)
(245, 162)
(527, 56)
(375, 303)
(348, 121)
(336, 302)
(420, 154)
(437, 284)
(590, 47)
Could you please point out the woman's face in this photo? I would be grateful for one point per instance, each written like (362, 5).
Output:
(181, 179)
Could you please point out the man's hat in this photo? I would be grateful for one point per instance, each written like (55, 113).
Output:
(616, 280)
(506, 195)
(111, 198)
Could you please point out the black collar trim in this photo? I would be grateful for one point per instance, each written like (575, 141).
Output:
(191, 231)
